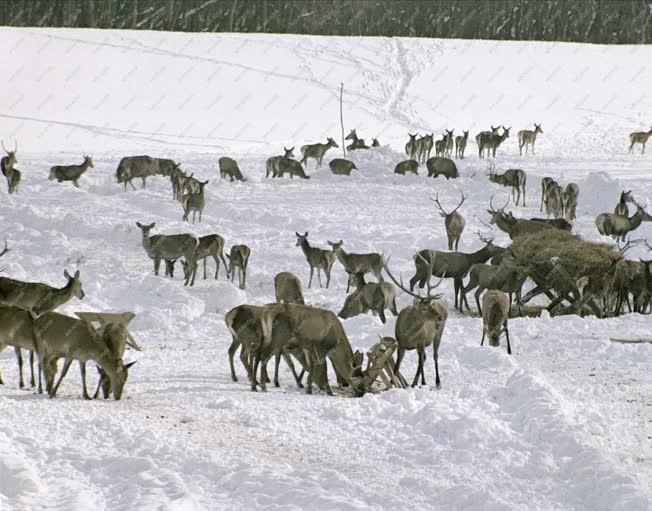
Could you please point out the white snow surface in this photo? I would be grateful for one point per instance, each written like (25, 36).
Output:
(563, 424)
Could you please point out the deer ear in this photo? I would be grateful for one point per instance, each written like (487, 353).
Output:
(66, 274)
(298, 235)
(139, 224)
(77, 274)
(306, 234)
(127, 366)
(151, 226)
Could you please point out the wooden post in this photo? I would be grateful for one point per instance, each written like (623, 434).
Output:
(342, 119)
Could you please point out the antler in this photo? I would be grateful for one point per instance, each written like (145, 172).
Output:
(15, 145)
(649, 247)
(483, 239)
(3, 146)
(5, 250)
(491, 205)
(438, 204)
(430, 287)
(399, 284)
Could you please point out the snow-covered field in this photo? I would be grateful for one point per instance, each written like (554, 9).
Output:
(565, 423)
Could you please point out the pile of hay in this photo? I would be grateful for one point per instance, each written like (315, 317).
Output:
(560, 258)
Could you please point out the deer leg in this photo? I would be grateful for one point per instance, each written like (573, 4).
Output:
(399, 359)
(423, 367)
(456, 285)
(310, 281)
(31, 368)
(478, 292)
(233, 275)
(297, 378)
(64, 370)
(393, 308)
(131, 184)
(319, 276)
(483, 336)
(509, 347)
(437, 380)
(82, 368)
(311, 369)
(217, 266)
(244, 277)
(420, 354)
(381, 315)
(348, 282)
(204, 268)
(277, 362)
(232, 349)
(157, 265)
(19, 358)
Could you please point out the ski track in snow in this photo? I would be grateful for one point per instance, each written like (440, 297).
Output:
(562, 424)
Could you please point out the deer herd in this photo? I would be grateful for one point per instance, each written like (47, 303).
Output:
(291, 329)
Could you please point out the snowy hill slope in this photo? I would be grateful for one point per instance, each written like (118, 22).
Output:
(562, 424)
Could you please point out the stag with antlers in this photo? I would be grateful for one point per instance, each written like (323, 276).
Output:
(419, 325)
(453, 221)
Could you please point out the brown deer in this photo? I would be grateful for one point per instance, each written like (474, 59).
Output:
(496, 140)
(528, 138)
(440, 146)
(239, 258)
(229, 168)
(554, 201)
(316, 151)
(618, 226)
(341, 167)
(170, 248)
(546, 183)
(513, 178)
(7, 164)
(58, 336)
(211, 245)
(358, 263)
(357, 143)
(453, 221)
(411, 148)
(495, 313)
(460, 144)
(438, 166)
(406, 166)
(418, 326)
(621, 208)
(569, 201)
(484, 140)
(132, 167)
(375, 142)
(504, 277)
(453, 265)
(36, 298)
(288, 288)
(195, 202)
(638, 137)
(514, 227)
(71, 172)
(317, 258)
(449, 143)
(425, 147)
(369, 297)
(317, 333)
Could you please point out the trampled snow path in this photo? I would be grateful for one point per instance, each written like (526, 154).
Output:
(562, 424)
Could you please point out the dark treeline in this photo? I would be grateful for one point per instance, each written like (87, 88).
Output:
(593, 21)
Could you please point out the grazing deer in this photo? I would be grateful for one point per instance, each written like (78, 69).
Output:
(406, 166)
(452, 265)
(438, 166)
(546, 184)
(37, 298)
(638, 137)
(272, 163)
(514, 227)
(179, 180)
(370, 297)
(621, 208)
(342, 167)
(569, 201)
(618, 226)
(460, 144)
(71, 172)
(58, 336)
(246, 330)
(375, 143)
(528, 138)
(278, 166)
(239, 258)
(557, 223)
(229, 168)
(425, 147)
(418, 326)
(288, 288)
(316, 151)
(411, 148)
(495, 313)
(358, 263)
(132, 167)
(317, 258)
(484, 140)
(195, 202)
(513, 178)
(453, 221)
(16, 329)
(170, 247)
(449, 143)
(211, 245)
(317, 333)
